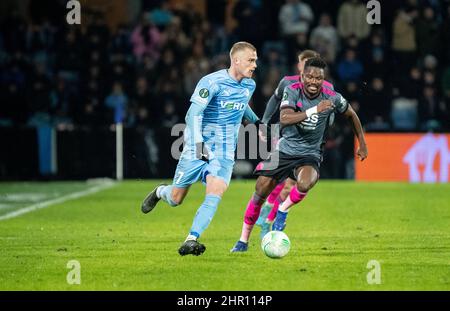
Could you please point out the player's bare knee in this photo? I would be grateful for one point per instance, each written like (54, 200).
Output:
(177, 199)
(216, 186)
(304, 185)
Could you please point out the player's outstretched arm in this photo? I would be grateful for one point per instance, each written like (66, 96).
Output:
(271, 108)
(362, 151)
(274, 102)
(250, 115)
(193, 122)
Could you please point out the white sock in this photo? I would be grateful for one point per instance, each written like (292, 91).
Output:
(191, 237)
(284, 207)
(158, 191)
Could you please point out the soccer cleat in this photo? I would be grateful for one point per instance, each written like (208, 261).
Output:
(192, 247)
(239, 247)
(265, 228)
(280, 221)
(278, 225)
(265, 210)
(150, 200)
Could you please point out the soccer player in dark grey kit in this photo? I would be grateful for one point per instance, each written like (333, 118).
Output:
(281, 191)
(304, 112)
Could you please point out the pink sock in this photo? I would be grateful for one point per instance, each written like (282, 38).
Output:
(275, 192)
(274, 210)
(253, 209)
(294, 197)
(251, 216)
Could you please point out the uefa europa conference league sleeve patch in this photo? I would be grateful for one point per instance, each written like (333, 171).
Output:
(203, 93)
(284, 100)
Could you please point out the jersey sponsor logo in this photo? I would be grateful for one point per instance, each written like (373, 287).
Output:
(232, 105)
(310, 123)
(203, 93)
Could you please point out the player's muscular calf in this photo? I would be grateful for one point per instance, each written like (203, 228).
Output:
(178, 194)
(264, 186)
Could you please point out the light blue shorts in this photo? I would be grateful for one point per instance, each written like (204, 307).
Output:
(191, 170)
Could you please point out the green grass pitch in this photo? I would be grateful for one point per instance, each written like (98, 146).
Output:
(334, 233)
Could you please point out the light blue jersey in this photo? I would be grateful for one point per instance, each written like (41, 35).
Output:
(218, 105)
(224, 101)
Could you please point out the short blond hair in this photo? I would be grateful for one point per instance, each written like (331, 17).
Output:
(306, 54)
(239, 46)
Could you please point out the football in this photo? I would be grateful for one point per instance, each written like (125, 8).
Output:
(275, 244)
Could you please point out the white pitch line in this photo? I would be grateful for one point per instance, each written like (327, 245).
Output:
(72, 196)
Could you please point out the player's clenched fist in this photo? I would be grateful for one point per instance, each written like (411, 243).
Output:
(324, 105)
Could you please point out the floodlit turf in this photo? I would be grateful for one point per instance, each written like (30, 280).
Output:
(334, 233)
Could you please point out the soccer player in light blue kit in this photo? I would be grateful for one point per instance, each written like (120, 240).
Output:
(218, 105)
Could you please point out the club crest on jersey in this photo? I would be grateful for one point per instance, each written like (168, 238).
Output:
(203, 93)
(232, 105)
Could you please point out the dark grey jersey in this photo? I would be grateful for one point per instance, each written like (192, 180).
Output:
(274, 102)
(308, 136)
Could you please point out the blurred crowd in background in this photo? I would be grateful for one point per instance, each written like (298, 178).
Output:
(396, 75)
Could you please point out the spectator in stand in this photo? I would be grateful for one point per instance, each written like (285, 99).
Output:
(142, 104)
(161, 15)
(377, 101)
(428, 34)
(432, 111)
(350, 68)
(411, 85)
(146, 39)
(376, 53)
(176, 39)
(324, 39)
(404, 42)
(169, 116)
(352, 20)
(295, 17)
(116, 102)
